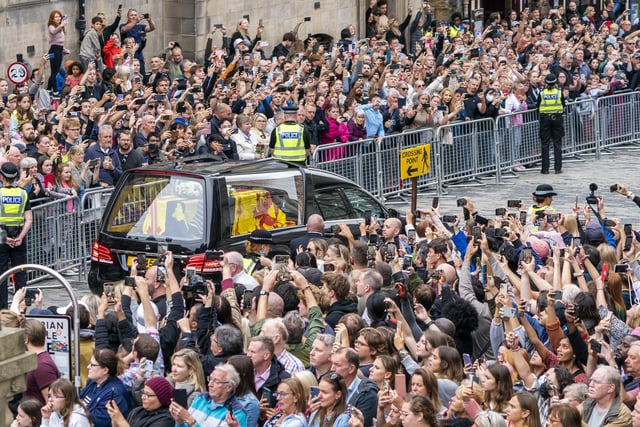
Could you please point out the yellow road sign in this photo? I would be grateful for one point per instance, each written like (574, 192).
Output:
(415, 161)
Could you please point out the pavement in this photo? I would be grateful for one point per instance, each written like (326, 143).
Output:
(619, 166)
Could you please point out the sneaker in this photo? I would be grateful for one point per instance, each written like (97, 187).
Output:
(519, 168)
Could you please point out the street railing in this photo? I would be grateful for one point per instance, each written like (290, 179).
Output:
(469, 152)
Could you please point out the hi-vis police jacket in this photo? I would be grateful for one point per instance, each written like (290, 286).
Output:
(551, 101)
(13, 203)
(290, 142)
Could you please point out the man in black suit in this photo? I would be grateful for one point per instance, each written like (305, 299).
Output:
(315, 229)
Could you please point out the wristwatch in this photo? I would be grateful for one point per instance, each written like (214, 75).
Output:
(263, 292)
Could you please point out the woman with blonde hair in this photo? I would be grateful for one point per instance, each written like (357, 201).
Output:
(187, 373)
(242, 34)
(259, 131)
(245, 140)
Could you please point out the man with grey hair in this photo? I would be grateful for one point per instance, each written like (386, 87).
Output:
(604, 405)
(108, 160)
(226, 341)
(277, 331)
(218, 405)
(236, 268)
(315, 229)
(369, 283)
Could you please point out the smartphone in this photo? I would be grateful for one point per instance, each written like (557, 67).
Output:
(367, 217)
(577, 241)
(148, 367)
(111, 396)
(449, 219)
(435, 202)
(557, 295)
(483, 275)
(281, 259)
(329, 268)
(314, 391)
(267, 394)
(335, 229)
(628, 236)
(139, 101)
(158, 97)
(508, 312)
(401, 385)
(391, 250)
(122, 107)
(260, 22)
(407, 261)
(373, 239)
(466, 358)
(307, 19)
(218, 26)
(29, 296)
(523, 217)
(130, 281)
(247, 298)
(526, 254)
(614, 188)
(514, 203)
(477, 232)
(145, 16)
(411, 235)
(180, 397)
(142, 261)
(461, 202)
(595, 346)
(501, 211)
(371, 251)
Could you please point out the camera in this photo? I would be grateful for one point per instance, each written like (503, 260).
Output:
(591, 198)
(194, 286)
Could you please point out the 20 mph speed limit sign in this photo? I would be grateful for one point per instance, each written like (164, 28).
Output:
(18, 73)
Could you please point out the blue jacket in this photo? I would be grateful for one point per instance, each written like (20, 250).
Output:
(95, 398)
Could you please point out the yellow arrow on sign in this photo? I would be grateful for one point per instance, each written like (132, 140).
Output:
(415, 161)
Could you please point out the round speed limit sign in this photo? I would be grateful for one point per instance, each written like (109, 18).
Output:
(18, 73)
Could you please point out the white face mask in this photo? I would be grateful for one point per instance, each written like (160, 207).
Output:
(489, 98)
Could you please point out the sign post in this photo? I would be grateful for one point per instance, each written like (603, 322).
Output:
(415, 162)
(17, 73)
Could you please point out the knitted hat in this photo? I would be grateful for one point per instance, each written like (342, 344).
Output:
(162, 388)
(262, 237)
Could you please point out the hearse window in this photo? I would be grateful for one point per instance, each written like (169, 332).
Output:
(165, 207)
(335, 203)
(258, 203)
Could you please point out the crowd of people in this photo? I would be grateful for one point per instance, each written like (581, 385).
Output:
(411, 73)
(525, 318)
(528, 317)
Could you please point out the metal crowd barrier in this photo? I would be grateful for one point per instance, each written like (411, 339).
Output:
(63, 231)
(465, 152)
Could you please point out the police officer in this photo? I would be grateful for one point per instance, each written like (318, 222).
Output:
(256, 250)
(15, 222)
(551, 107)
(290, 141)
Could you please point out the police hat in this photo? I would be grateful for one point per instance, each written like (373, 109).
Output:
(544, 190)
(9, 170)
(290, 109)
(262, 237)
(551, 79)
